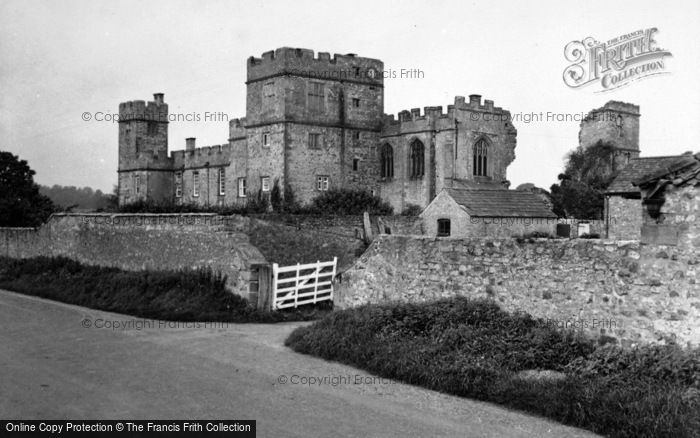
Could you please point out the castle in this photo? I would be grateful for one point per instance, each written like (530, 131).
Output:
(313, 123)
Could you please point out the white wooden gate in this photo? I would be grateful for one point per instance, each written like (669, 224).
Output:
(296, 285)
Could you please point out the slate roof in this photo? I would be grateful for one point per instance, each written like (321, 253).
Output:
(473, 185)
(685, 170)
(638, 168)
(501, 203)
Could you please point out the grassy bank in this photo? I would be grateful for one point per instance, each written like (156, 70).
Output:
(193, 295)
(474, 349)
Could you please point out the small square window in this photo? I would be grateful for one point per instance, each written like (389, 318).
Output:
(355, 102)
(269, 89)
(443, 227)
(265, 183)
(314, 141)
(322, 183)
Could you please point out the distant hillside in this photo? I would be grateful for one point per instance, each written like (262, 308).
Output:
(79, 199)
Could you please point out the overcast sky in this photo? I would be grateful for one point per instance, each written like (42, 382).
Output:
(59, 59)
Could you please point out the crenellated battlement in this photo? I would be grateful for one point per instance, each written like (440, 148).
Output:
(138, 110)
(205, 150)
(415, 114)
(474, 103)
(237, 129)
(303, 62)
(616, 106)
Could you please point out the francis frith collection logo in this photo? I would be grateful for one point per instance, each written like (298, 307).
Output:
(616, 62)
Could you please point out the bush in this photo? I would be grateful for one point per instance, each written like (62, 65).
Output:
(412, 210)
(349, 202)
(276, 196)
(289, 202)
(185, 295)
(475, 349)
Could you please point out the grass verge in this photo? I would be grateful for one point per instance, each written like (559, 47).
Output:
(193, 295)
(474, 349)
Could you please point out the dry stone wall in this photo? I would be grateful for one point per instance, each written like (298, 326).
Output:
(143, 241)
(623, 290)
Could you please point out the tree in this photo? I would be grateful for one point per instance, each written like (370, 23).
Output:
(276, 196)
(289, 202)
(21, 204)
(587, 174)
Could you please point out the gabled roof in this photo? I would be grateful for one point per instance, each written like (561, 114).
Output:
(685, 170)
(501, 203)
(638, 168)
(473, 185)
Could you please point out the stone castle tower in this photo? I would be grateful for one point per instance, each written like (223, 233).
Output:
(144, 167)
(617, 124)
(309, 115)
(314, 123)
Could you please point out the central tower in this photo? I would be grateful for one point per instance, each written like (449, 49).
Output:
(313, 123)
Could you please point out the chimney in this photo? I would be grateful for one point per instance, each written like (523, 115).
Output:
(158, 97)
(475, 99)
(189, 143)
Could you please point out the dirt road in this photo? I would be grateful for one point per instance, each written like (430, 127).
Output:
(59, 361)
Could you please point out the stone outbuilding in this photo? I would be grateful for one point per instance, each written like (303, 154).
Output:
(487, 213)
(671, 204)
(632, 204)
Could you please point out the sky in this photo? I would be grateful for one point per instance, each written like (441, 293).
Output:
(59, 60)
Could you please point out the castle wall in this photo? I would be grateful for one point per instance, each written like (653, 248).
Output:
(437, 132)
(206, 161)
(477, 120)
(365, 150)
(265, 161)
(631, 292)
(143, 241)
(624, 218)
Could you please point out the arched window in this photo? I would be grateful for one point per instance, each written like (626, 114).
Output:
(416, 164)
(481, 150)
(387, 162)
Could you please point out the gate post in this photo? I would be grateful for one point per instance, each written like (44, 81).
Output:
(367, 225)
(264, 287)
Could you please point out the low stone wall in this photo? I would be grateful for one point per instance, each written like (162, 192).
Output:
(631, 292)
(625, 217)
(348, 226)
(143, 241)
